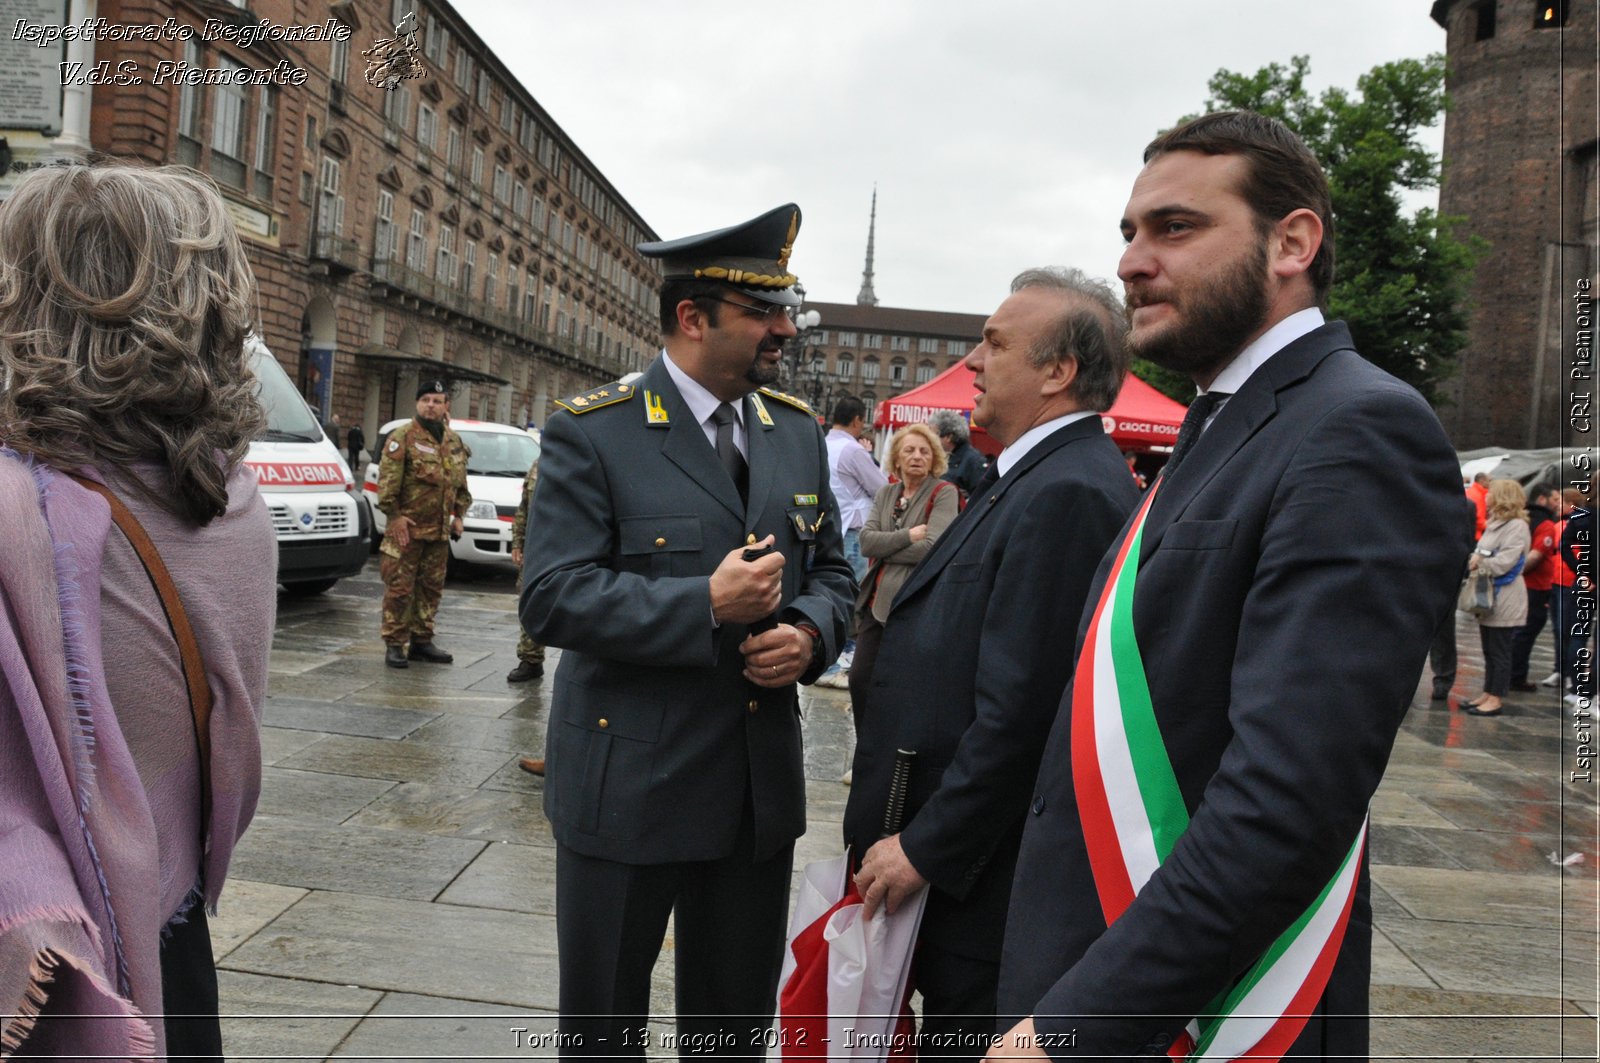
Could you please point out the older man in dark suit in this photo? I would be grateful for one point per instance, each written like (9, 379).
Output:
(1196, 842)
(971, 665)
(673, 746)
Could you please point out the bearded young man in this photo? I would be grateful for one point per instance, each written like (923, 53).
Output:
(1247, 653)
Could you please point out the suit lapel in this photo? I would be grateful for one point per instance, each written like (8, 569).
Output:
(979, 507)
(763, 461)
(686, 445)
(1239, 419)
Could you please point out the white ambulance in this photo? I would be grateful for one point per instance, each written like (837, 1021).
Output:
(320, 520)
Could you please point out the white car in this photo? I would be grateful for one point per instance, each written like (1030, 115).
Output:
(501, 458)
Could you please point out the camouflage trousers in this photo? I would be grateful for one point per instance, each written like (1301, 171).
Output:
(527, 649)
(413, 580)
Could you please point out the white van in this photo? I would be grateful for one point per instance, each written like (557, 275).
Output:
(320, 521)
(501, 458)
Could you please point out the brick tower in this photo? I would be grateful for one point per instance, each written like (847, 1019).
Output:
(1520, 167)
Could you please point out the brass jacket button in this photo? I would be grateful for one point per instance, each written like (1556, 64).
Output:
(661, 542)
(604, 723)
(754, 705)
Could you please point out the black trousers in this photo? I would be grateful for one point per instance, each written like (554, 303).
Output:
(729, 922)
(189, 991)
(958, 1003)
(1442, 656)
(1496, 659)
(869, 636)
(1525, 636)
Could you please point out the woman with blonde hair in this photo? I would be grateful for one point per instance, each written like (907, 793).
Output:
(1501, 553)
(908, 516)
(139, 572)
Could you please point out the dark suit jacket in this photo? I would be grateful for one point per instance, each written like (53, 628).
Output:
(1282, 630)
(972, 661)
(655, 737)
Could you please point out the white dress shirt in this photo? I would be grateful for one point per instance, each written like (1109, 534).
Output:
(703, 404)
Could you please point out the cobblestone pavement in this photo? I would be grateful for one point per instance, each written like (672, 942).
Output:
(394, 898)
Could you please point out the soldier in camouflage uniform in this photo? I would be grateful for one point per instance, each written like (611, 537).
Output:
(530, 655)
(422, 491)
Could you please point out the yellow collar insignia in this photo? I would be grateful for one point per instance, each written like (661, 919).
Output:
(761, 410)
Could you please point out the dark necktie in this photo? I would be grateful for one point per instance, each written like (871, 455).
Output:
(728, 450)
(1193, 422)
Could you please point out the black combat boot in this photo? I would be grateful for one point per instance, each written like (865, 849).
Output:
(395, 657)
(427, 651)
(525, 671)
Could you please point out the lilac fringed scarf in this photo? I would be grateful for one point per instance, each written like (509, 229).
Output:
(80, 917)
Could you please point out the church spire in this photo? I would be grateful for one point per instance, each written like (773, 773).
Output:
(867, 297)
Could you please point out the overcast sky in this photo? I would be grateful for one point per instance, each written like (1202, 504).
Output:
(1001, 134)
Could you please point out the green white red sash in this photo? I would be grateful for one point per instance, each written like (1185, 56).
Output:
(1133, 813)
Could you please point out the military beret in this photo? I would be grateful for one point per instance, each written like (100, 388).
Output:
(430, 386)
(752, 256)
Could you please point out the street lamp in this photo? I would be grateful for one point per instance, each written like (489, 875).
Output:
(806, 323)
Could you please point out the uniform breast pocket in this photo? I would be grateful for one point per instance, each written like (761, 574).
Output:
(660, 545)
(804, 523)
(428, 472)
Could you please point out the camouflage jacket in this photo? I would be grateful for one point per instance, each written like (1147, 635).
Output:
(424, 480)
(519, 524)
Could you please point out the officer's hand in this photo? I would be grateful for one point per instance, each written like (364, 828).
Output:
(400, 531)
(743, 592)
(516, 556)
(776, 658)
(887, 877)
(456, 527)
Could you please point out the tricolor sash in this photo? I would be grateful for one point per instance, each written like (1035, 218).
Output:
(1133, 813)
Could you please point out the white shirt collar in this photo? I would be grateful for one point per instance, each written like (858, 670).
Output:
(1034, 436)
(1269, 343)
(700, 401)
(702, 404)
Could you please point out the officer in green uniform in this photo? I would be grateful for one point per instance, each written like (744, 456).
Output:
(530, 655)
(422, 490)
(684, 553)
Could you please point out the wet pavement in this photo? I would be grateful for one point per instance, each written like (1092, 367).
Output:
(394, 898)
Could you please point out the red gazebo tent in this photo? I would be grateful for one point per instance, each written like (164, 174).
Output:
(1140, 419)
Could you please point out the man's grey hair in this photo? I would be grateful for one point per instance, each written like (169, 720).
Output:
(949, 423)
(1093, 332)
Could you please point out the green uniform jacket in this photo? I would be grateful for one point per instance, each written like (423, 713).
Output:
(424, 480)
(656, 740)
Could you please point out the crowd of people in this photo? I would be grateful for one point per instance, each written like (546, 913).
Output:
(1529, 565)
(1069, 693)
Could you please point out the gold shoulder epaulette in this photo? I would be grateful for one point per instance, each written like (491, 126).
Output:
(609, 395)
(790, 400)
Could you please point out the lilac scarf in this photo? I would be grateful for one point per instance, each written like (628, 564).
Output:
(80, 913)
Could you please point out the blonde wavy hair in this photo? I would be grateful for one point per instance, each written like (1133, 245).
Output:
(125, 298)
(1507, 500)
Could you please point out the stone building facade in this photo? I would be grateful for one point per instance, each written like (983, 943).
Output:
(877, 352)
(448, 227)
(1520, 165)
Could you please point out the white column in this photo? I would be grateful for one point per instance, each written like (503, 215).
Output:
(75, 99)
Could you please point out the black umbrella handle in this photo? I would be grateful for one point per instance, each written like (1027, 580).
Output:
(894, 814)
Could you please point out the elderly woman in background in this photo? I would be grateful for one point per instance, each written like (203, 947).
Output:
(1501, 553)
(139, 575)
(908, 516)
